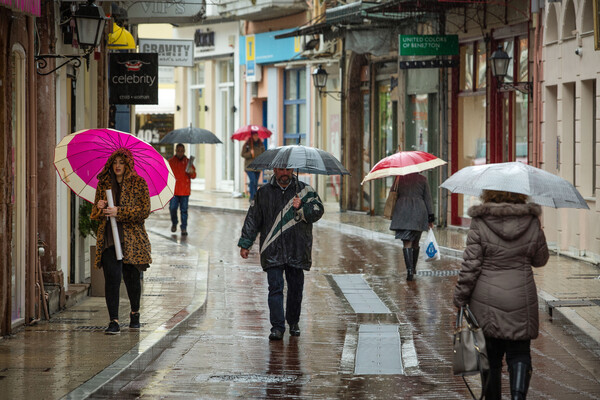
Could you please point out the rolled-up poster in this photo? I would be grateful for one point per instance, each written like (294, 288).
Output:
(113, 225)
(188, 168)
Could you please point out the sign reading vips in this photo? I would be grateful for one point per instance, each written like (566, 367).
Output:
(133, 78)
(171, 53)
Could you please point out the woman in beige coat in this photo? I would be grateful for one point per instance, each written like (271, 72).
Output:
(496, 280)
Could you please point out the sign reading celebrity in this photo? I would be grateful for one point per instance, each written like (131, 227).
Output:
(133, 78)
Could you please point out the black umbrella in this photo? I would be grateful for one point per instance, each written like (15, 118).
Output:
(190, 135)
(301, 158)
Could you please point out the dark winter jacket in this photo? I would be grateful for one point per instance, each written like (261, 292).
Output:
(413, 209)
(134, 208)
(284, 239)
(496, 279)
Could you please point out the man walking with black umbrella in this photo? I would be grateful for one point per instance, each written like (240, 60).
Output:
(283, 213)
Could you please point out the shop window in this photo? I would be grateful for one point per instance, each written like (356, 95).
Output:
(466, 64)
(481, 65)
(294, 107)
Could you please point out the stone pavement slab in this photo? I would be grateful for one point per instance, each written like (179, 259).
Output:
(70, 356)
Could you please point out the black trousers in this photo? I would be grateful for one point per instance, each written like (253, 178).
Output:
(515, 350)
(113, 271)
(295, 286)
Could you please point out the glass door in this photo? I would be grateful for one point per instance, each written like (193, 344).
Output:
(386, 142)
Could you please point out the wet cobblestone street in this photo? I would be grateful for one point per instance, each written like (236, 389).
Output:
(226, 353)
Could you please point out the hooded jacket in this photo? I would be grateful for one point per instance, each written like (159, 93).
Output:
(132, 212)
(496, 280)
(284, 239)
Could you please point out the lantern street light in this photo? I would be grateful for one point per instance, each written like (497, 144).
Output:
(89, 25)
(319, 76)
(500, 62)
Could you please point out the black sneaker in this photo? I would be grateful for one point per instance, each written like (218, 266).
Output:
(173, 228)
(183, 232)
(294, 330)
(276, 335)
(113, 328)
(134, 320)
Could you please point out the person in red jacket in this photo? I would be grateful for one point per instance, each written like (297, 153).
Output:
(184, 172)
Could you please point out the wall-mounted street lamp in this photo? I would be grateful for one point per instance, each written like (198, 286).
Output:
(319, 76)
(89, 25)
(500, 62)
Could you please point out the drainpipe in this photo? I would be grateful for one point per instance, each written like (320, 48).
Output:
(31, 258)
(537, 93)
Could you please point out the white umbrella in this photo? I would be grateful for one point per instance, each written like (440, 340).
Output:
(542, 187)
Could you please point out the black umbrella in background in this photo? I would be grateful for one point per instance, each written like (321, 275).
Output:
(301, 158)
(190, 135)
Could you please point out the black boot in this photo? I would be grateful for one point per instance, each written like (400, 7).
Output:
(408, 260)
(492, 380)
(415, 258)
(520, 375)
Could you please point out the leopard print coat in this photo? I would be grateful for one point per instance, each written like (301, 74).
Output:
(134, 209)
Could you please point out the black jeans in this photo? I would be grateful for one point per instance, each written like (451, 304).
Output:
(295, 282)
(515, 350)
(113, 270)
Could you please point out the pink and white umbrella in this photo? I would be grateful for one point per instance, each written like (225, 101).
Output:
(403, 163)
(80, 157)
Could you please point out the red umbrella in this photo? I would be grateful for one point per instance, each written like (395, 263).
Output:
(245, 132)
(403, 163)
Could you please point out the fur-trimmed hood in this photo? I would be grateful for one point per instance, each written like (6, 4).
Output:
(507, 220)
(106, 173)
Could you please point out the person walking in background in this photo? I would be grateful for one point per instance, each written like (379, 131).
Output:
(283, 213)
(252, 149)
(131, 201)
(496, 280)
(413, 214)
(184, 171)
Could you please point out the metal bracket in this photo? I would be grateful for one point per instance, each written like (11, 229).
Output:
(523, 87)
(41, 62)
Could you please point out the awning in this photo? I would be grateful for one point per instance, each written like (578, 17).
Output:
(120, 39)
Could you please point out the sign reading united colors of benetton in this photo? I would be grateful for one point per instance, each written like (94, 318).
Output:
(133, 78)
(171, 53)
(428, 45)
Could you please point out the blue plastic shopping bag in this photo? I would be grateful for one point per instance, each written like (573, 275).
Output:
(432, 250)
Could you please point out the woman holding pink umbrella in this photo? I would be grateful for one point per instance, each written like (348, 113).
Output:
(131, 207)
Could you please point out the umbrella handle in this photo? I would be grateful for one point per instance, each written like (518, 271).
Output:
(297, 216)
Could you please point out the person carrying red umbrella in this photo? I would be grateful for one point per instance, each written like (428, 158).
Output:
(252, 149)
(413, 210)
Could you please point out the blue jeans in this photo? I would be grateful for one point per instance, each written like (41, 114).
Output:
(179, 201)
(252, 182)
(295, 282)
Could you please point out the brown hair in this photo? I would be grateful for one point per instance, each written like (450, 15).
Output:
(495, 196)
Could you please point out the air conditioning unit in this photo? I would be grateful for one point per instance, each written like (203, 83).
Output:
(314, 46)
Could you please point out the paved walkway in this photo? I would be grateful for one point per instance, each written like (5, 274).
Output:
(569, 289)
(70, 358)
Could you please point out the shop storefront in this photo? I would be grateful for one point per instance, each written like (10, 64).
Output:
(490, 124)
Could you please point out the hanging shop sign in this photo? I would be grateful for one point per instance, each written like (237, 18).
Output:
(171, 52)
(265, 49)
(133, 78)
(428, 45)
